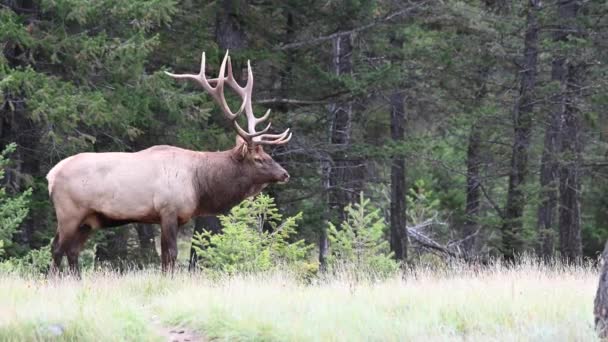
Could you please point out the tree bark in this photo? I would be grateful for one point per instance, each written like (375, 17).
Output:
(548, 192)
(346, 174)
(323, 248)
(398, 236)
(512, 242)
(343, 176)
(570, 185)
(600, 307)
(473, 161)
(229, 30)
(569, 144)
(113, 247)
(147, 246)
(549, 168)
(473, 190)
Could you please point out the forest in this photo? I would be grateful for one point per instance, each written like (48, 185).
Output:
(449, 147)
(475, 129)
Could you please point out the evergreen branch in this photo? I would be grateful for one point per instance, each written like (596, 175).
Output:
(290, 101)
(492, 203)
(321, 39)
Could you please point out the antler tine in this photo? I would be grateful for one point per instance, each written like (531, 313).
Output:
(249, 89)
(230, 80)
(201, 72)
(263, 118)
(252, 121)
(216, 92)
(277, 139)
(254, 134)
(219, 89)
(226, 76)
(200, 77)
(275, 136)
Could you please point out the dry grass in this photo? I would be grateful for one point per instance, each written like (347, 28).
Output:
(526, 303)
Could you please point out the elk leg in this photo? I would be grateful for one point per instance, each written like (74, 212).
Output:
(57, 253)
(80, 238)
(67, 232)
(73, 263)
(168, 242)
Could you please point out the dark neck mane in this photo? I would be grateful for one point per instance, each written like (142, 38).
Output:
(222, 182)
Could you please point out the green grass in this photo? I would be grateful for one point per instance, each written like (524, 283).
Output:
(527, 303)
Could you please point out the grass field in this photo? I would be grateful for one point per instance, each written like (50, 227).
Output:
(526, 303)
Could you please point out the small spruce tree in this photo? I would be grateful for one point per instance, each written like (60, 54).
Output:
(360, 245)
(254, 238)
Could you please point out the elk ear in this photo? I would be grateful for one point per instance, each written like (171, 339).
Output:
(241, 149)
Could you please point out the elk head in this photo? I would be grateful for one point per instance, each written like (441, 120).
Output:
(249, 150)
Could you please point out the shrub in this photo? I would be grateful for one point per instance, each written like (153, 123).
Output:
(13, 209)
(254, 238)
(35, 262)
(359, 246)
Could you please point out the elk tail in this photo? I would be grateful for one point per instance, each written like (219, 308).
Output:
(50, 177)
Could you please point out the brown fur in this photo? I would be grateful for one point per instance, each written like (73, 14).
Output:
(162, 184)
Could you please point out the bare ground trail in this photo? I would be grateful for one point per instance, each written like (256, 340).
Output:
(176, 333)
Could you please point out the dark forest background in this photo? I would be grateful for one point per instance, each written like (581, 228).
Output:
(477, 127)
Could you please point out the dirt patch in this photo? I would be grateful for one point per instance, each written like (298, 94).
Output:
(181, 335)
(177, 334)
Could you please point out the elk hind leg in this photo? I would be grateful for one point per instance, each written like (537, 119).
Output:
(63, 242)
(57, 253)
(168, 242)
(75, 247)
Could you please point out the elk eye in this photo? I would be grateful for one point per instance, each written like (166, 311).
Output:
(258, 160)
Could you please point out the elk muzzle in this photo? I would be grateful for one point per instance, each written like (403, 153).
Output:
(282, 176)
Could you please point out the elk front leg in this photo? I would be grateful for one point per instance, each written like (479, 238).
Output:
(168, 242)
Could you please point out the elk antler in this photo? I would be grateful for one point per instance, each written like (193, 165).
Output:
(251, 136)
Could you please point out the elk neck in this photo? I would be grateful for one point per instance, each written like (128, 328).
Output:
(222, 182)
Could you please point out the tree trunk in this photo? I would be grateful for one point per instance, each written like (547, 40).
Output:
(512, 242)
(147, 246)
(343, 176)
(323, 248)
(473, 191)
(473, 161)
(600, 309)
(113, 247)
(549, 172)
(209, 223)
(550, 166)
(569, 184)
(229, 31)
(346, 174)
(398, 232)
(548, 191)
(569, 142)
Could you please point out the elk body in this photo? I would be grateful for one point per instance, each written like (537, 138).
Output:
(163, 184)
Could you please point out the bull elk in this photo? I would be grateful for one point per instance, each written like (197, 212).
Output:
(163, 184)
